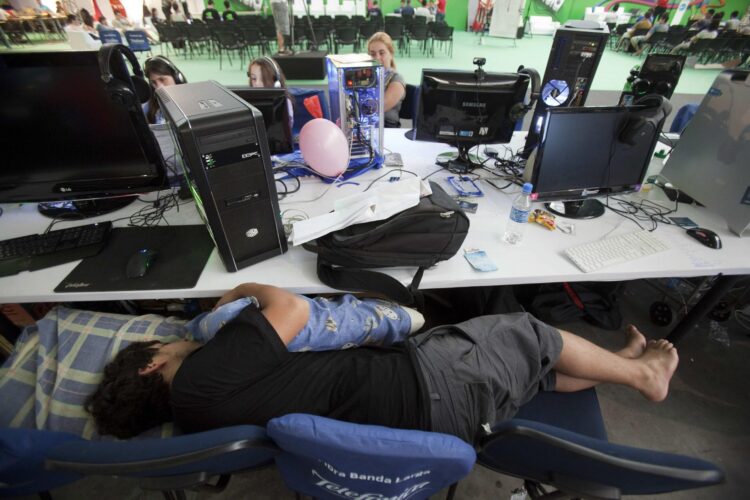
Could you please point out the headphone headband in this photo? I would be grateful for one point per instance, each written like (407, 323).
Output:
(105, 60)
(275, 66)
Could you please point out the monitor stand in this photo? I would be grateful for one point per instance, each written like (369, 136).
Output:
(83, 209)
(581, 209)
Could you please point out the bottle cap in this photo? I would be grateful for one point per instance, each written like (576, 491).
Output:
(527, 187)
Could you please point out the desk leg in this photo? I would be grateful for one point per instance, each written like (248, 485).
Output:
(705, 304)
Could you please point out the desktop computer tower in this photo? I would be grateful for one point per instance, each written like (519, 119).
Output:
(221, 142)
(576, 51)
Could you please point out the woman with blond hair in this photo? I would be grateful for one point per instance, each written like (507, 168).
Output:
(380, 48)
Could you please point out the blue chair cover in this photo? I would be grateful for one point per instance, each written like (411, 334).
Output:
(330, 459)
(110, 36)
(562, 436)
(683, 117)
(137, 41)
(22, 454)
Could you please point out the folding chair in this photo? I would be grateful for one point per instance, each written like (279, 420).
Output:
(345, 35)
(138, 41)
(330, 459)
(559, 439)
(110, 36)
(170, 465)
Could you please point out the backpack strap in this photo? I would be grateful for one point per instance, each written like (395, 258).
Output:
(362, 280)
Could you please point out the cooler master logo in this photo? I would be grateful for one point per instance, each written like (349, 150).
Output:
(346, 492)
(473, 104)
(252, 154)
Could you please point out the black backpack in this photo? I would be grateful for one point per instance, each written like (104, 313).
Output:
(420, 236)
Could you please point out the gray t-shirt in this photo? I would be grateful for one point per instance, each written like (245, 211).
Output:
(391, 116)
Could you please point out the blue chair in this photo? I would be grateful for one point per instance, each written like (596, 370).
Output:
(22, 454)
(410, 104)
(683, 117)
(170, 465)
(559, 439)
(330, 459)
(137, 41)
(110, 36)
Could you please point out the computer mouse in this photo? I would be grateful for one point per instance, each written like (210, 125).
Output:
(705, 236)
(140, 262)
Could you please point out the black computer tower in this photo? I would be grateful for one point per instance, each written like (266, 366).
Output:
(222, 143)
(576, 51)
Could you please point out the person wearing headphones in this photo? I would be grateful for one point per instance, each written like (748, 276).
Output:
(264, 72)
(380, 48)
(161, 72)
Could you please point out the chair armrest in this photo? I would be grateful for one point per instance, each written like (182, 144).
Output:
(148, 457)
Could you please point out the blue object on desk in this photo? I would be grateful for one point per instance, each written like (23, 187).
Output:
(464, 186)
(356, 167)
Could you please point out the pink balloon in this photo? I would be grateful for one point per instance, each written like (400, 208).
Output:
(324, 147)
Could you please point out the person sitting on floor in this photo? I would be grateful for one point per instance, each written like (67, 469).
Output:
(709, 33)
(661, 26)
(380, 47)
(246, 375)
(160, 72)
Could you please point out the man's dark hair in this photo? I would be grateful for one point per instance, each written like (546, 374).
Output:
(735, 13)
(126, 403)
(664, 17)
(226, 4)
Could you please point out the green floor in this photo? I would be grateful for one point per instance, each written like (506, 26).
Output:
(501, 55)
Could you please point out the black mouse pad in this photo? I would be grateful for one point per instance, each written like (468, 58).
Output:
(182, 255)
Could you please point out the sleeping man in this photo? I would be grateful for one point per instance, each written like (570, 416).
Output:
(450, 379)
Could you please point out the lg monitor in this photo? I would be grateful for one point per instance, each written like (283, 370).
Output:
(275, 106)
(585, 153)
(64, 139)
(466, 108)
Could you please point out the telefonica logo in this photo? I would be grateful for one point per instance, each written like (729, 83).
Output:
(78, 285)
(345, 492)
(474, 104)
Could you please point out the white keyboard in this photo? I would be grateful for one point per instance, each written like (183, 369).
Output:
(614, 250)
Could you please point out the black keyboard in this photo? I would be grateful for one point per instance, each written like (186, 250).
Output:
(37, 251)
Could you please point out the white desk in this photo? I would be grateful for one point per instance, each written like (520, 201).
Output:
(538, 259)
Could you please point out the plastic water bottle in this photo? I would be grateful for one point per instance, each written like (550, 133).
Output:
(519, 216)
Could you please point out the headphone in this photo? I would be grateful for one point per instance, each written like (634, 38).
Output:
(179, 78)
(519, 110)
(133, 95)
(657, 109)
(274, 66)
(642, 86)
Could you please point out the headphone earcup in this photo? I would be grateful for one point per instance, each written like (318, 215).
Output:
(631, 129)
(121, 94)
(662, 88)
(142, 89)
(641, 86)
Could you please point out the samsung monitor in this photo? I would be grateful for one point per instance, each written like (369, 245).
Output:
(64, 139)
(585, 153)
(466, 108)
(274, 105)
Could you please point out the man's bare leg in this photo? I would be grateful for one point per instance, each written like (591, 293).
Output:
(583, 364)
(280, 41)
(635, 344)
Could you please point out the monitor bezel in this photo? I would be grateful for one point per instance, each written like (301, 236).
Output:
(91, 187)
(589, 192)
(275, 92)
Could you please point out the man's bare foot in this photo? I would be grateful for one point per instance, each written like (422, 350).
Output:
(660, 361)
(635, 343)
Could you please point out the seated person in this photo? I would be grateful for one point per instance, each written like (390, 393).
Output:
(399, 9)
(210, 13)
(60, 10)
(121, 22)
(246, 375)
(374, 11)
(733, 23)
(709, 33)
(423, 11)
(229, 14)
(704, 21)
(87, 23)
(643, 24)
(263, 72)
(103, 24)
(41, 9)
(661, 26)
(380, 47)
(177, 15)
(160, 72)
(407, 10)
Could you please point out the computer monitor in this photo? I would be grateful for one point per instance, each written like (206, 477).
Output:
(586, 153)
(64, 139)
(274, 106)
(466, 108)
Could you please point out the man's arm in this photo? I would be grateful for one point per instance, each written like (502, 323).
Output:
(286, 312)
